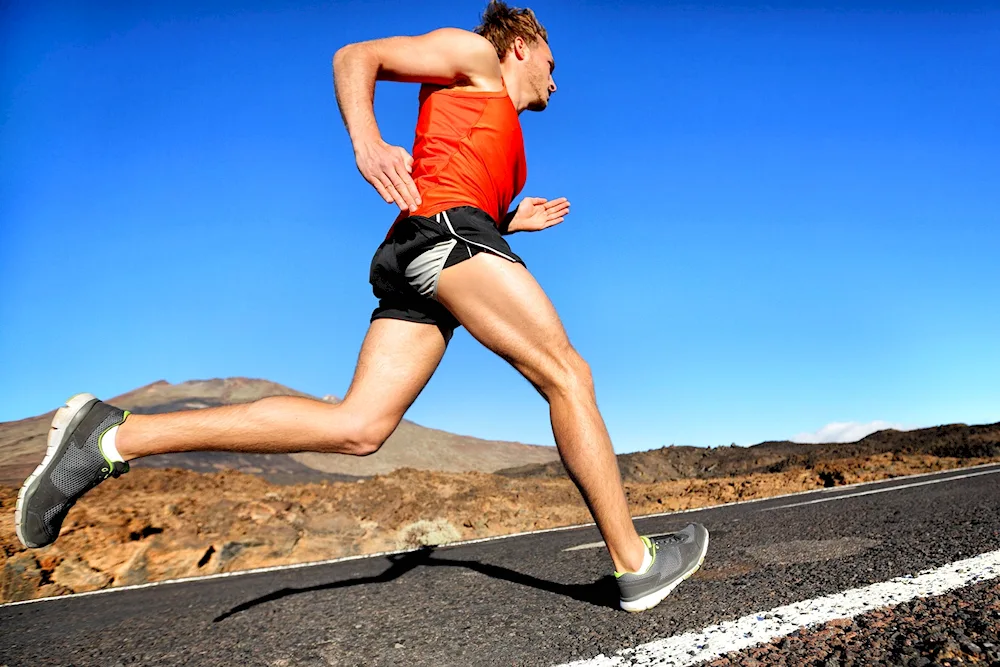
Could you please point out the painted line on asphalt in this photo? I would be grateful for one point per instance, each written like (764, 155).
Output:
(497, 538)
(692, 648)
(874, 491)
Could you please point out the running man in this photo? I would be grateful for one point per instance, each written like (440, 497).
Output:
(444, 263)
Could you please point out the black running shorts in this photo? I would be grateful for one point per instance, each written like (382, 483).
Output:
(405, 268)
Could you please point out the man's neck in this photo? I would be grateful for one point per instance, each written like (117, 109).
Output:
(513, 84)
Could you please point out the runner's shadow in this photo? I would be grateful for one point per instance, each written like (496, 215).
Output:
(601, 593)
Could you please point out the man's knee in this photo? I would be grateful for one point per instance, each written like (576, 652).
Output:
(350, 429)
(367, 435)
(567, 374)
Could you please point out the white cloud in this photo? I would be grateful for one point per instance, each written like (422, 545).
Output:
(845, 432)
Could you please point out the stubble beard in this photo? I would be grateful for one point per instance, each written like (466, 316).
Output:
(541, 100)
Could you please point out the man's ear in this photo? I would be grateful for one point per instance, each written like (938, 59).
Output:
(520, 48)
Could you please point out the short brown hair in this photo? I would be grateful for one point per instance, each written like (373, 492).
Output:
(501, 24)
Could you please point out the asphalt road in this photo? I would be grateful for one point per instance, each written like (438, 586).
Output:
(517, 601)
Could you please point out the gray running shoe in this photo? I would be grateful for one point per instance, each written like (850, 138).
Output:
(675, 558)
(73, 465)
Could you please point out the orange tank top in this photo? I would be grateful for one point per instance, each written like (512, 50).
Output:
(468, 151)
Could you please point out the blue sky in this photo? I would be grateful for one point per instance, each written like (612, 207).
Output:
(784, 219)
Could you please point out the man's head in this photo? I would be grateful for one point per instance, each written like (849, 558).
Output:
(522, 46)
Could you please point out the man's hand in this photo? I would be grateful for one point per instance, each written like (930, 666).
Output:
(534, 214)
(388, 169)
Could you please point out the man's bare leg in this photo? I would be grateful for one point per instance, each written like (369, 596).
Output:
(505, 309)
(397, 359)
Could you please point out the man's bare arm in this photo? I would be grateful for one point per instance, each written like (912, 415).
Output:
(442, 57)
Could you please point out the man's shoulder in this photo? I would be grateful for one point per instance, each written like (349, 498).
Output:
(477, 52)
(480, 64)
(473, 41)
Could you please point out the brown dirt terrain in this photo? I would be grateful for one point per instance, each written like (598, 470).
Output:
(152, 525)
(670, 463)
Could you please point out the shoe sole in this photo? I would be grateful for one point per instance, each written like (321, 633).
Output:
(57, 432)
(656, 597)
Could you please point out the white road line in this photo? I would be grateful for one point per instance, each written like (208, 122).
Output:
(868, 493)
(497, 538)
(692, 648)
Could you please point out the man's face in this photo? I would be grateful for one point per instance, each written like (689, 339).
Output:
(540, 66)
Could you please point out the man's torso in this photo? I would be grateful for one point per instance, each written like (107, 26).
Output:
(468, 151)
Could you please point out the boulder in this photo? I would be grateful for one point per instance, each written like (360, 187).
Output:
(20, 578)
(78, 576)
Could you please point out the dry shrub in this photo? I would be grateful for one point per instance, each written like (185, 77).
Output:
(427, 533)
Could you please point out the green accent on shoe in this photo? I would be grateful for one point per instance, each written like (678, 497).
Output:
(125, 469)
(100, 445)
(652, 551)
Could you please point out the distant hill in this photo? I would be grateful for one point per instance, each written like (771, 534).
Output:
(22, 443)
(672, 463)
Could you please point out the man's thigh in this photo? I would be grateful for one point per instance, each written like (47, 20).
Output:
(502, 305)
(397, 359)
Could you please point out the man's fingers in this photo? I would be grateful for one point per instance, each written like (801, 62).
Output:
(394, 189)
(406, 187)
(556, 202)
(394, 195)
(397, 198)
(409, 189)
(404, 193)
(381, 190)
(556, 212)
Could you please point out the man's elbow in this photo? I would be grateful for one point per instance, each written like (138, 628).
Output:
(342, 55)
(348, 57)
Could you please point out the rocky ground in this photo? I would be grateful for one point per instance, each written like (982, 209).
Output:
(152, 525)
(960, 628)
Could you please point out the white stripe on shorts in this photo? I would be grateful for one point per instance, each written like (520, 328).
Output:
(444, 215)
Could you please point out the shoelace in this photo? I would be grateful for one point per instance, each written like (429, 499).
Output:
(672, 538)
